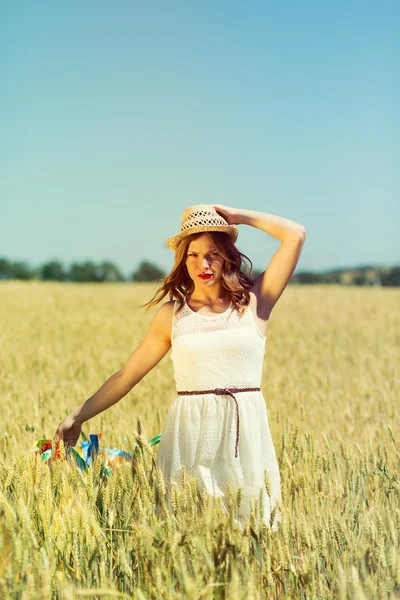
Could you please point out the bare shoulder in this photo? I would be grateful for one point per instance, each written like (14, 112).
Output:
(260, 309)
(163, 318)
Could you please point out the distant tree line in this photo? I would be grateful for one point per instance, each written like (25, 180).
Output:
(361, 275)
(107, 271)
(87, 271)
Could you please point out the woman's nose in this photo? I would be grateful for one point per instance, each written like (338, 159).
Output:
(204, 262)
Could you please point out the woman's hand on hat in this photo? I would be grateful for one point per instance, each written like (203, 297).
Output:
(229, 214)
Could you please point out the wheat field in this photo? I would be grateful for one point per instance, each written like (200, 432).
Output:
(331, 384)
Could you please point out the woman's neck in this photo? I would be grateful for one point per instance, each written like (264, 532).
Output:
(208, 300)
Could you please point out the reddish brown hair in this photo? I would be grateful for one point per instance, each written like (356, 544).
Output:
(234, 281)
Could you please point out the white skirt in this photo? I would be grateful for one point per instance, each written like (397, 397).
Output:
(200, 434)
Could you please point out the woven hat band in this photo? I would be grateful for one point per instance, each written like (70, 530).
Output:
(200, 219)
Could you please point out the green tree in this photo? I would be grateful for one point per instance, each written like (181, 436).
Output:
(21, 270)
(392, 278)
(4, 268)
(359, 279)
(306, 277)
(147, 272)
(82, 272)
(107, 271)
(52, 271)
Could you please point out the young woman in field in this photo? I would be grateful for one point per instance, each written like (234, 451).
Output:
(216, 324)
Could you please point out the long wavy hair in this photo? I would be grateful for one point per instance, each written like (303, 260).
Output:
(234, 281)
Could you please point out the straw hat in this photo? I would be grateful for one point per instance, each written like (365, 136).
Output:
(198, 219)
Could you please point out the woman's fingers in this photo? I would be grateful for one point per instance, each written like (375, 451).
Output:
(68, 431)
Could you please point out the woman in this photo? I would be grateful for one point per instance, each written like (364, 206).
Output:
(216, 324)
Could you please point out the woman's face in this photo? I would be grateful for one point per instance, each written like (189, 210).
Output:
(202, 257)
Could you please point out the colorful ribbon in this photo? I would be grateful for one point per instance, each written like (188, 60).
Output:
(89, 449)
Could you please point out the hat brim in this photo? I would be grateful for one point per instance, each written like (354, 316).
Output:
(231, 230)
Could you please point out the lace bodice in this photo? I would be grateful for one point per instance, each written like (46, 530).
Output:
(224, 350)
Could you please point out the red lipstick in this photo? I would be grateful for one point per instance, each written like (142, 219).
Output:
(205, 276)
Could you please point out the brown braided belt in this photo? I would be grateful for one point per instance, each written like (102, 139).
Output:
(228, 392)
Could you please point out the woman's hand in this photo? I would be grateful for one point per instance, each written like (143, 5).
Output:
(229, 214)
(68, 430)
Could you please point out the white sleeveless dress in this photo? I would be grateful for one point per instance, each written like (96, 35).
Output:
(200, 431)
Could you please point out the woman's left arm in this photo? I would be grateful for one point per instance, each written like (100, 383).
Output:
(270, 284)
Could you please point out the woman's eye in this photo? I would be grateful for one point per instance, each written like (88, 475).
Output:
(211, 254)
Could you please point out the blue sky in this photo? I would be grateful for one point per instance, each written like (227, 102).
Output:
(116, 116)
